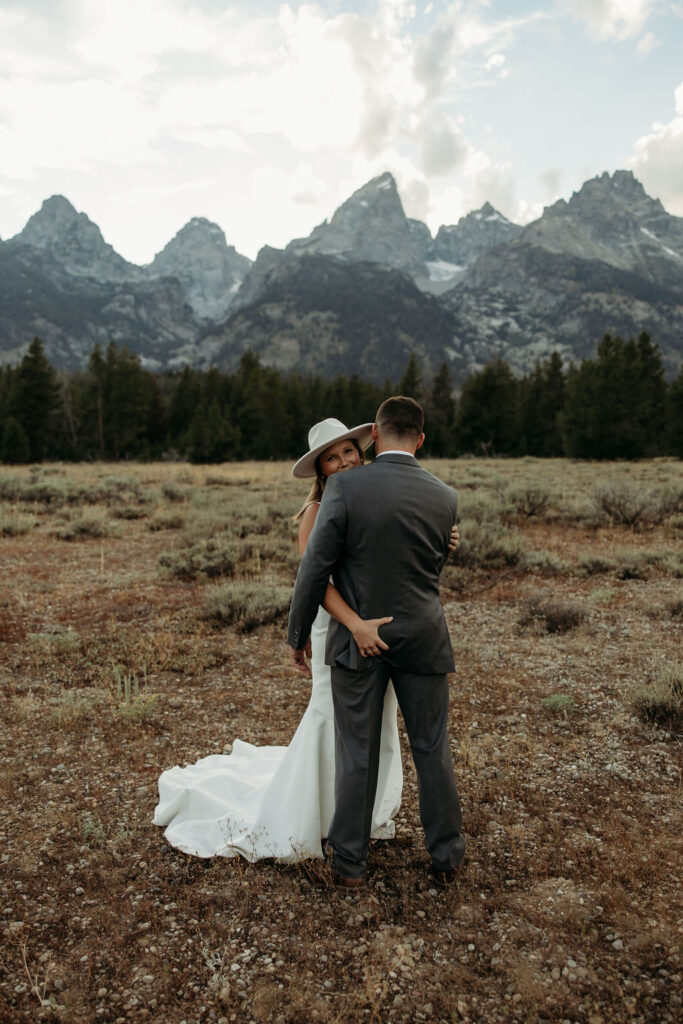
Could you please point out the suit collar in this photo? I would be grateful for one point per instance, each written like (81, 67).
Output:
(405, 460)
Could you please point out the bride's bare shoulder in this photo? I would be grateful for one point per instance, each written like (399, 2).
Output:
(306, 524)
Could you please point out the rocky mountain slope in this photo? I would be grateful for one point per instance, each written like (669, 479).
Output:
(362, 291)
(209, 270)
(610, 259)
(324, 314)
(457, 246)
(371, 226)
(60, 280)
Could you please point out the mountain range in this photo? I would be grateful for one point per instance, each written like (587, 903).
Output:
(362, 291)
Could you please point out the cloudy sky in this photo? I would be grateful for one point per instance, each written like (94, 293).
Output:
(264, 116)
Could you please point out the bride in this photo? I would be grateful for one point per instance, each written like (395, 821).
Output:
(275, 801)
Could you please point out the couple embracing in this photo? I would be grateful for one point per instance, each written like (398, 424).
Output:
(374, 541)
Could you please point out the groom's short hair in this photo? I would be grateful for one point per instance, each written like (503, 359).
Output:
(400, 416)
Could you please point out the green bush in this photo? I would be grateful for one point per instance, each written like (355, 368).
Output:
(92, 523)
(552, 615)
(209, 558)
(488, 545)
(13, 524)
(661, 699)
(528, 501)
(246, 605)
(559, 703)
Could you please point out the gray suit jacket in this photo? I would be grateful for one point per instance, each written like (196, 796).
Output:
(382, 533)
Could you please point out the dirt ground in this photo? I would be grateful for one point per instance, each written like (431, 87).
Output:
(568, 903)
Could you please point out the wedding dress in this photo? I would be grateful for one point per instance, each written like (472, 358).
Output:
(275, 801)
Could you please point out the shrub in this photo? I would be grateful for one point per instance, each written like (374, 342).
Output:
(553, 615)
(559, 703)
(76, 706)
(490, 545)
(544, 563)
(166, 521)
(92, 523)
(65, 642)
(171, 492)
(14, 524)
(247, 605)
(661, 699)
(131, 705)
(672, 564)
(129, 512)
(591, 565)
(623, 504)
(528, 501)
(631, 506)
(92, 831)
(210, 558)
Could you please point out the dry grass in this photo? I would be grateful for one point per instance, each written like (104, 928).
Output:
(568, 905)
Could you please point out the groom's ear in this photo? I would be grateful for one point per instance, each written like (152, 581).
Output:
(420, 441)
(373, 433)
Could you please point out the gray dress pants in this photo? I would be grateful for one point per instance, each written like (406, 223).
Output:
(358, 701)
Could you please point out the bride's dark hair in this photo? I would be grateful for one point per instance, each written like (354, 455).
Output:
(316, 492)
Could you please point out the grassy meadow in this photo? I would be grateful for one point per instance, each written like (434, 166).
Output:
(142, 624)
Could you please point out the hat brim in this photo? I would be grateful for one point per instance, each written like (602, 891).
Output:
(305, 467)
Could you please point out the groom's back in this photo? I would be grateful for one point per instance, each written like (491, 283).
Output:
(399, 519)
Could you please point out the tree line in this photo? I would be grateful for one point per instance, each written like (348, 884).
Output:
(617, 405)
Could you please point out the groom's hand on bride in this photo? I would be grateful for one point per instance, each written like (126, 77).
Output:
(455, 539)
(297, 659)
(368, 640)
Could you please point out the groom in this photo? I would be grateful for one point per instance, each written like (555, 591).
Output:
(382, 532)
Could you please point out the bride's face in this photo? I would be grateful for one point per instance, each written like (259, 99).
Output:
(339, 456)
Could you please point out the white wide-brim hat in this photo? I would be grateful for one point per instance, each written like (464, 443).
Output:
(322, 435)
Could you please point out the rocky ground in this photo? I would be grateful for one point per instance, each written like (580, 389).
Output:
(568, 905)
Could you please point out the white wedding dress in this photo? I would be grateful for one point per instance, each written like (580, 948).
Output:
(275, 801)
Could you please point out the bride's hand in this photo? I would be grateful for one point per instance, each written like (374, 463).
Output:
(297, 659)
(367, 637)
(455, 538)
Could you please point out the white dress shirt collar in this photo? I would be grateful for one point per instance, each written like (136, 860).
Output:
(395, 451)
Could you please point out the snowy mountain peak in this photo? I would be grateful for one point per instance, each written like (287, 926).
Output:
(477, 231)
(370, 225)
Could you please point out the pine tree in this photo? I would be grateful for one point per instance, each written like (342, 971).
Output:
(611, 407)
(488, 412)
(410, 383)
(542, 397)
(14, 445)
(674, 433)
(440, 416)
(651, 399)
(183, 406)
(36, 400)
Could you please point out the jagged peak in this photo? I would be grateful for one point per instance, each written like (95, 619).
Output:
(203, 224)
(58, 218)
(619, 182)
(58, 204)
(376, 186)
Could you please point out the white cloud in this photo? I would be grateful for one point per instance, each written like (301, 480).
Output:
(263, 123)
(647, 44)
(658, 159)
(607, 19)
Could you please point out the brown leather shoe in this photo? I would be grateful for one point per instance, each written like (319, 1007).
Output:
(344, 882)
(444, 878)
